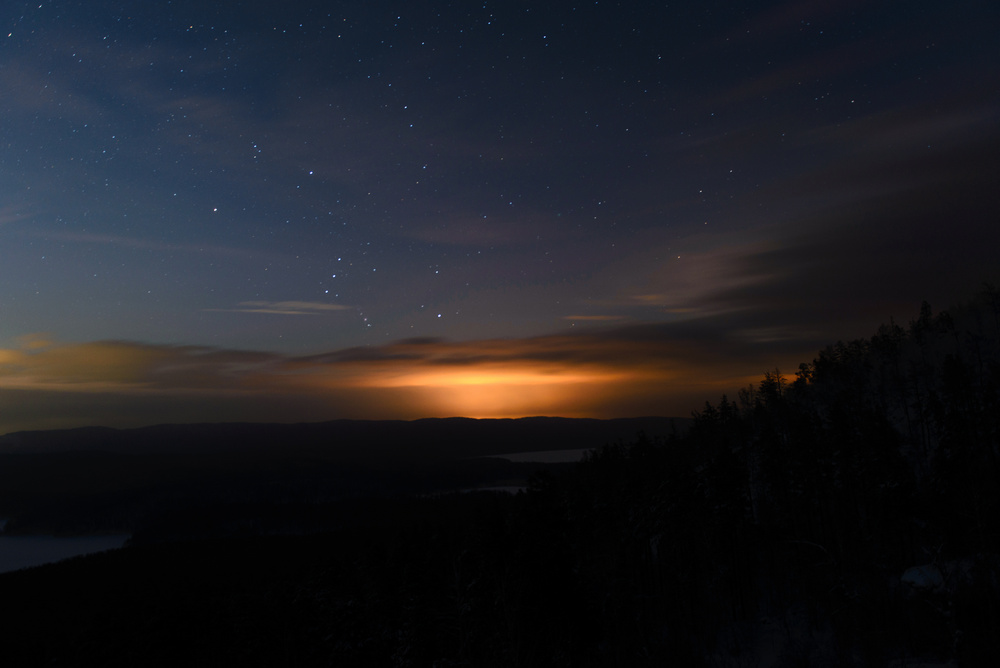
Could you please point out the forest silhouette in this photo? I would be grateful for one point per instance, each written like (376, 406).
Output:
(845, 515)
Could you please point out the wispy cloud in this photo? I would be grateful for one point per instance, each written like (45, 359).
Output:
(594, 318)
(285, 308)
(139, 244)
(14, 214)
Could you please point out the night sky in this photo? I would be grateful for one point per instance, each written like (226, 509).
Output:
(307, 211)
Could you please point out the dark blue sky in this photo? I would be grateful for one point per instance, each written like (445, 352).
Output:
(733, 184)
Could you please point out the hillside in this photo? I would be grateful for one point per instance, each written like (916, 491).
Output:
(199, 479)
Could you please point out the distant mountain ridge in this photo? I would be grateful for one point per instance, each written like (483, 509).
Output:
(351, 439)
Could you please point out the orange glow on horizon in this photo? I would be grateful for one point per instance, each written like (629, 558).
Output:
(466, 377)
(126, 383)
(491, 390)
(569, 393)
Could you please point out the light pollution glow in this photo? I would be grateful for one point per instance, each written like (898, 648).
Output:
(48, 385)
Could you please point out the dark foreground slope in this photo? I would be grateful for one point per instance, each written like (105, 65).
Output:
(433, 581)
(644, 555)
(206, 479)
